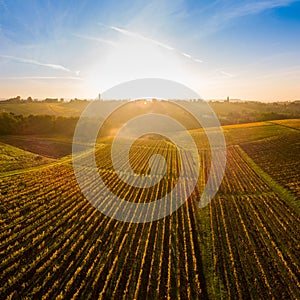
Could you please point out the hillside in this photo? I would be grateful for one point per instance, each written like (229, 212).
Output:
(13, 158)
(51, 148)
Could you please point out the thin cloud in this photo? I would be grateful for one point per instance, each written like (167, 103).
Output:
(257, 7)
(234, 10)
(37, 63)
(186, 55)
(141, 37)
(95, 39)
(152, 41)
(226, 74)
(198, 60)
(40, 78)
(220, 71)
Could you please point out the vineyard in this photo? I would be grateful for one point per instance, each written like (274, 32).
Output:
(13, 158)
(275, 147)
(243, 245)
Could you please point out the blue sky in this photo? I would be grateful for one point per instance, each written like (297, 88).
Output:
(241, 49)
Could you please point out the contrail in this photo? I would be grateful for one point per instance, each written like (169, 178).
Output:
(141, 37)
(149, 40)
(37, 63)
(96, 39)
(186, 55)
(227, 74)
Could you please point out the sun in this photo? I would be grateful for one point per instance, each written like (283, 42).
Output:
(130, 60)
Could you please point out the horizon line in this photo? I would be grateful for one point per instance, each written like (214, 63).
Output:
(226, 100)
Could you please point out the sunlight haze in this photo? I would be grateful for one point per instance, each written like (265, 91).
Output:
(242, 49)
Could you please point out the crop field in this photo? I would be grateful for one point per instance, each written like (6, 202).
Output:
(276, 149)
(243, 245)
(51, 148)
(13, 158)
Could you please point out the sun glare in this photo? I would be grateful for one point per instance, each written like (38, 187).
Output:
(130, 60)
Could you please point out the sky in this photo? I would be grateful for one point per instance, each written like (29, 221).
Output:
(65, 49)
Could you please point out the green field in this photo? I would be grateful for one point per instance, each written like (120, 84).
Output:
(243, 245)
(13, 158)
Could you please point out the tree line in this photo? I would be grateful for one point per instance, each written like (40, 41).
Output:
(36, 124)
